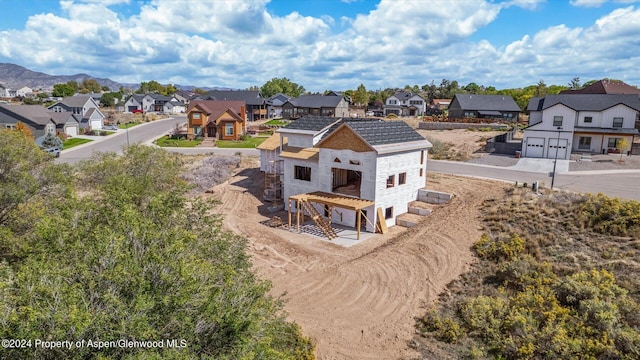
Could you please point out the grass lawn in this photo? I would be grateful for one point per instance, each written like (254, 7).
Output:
(277, 122)
(251, 143)
(127, 125)
(69, 143)
(166, 142)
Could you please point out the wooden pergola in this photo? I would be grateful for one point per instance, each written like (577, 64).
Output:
(331, 201)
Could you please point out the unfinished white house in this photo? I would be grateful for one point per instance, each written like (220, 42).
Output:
(355, 172)
(588, 123)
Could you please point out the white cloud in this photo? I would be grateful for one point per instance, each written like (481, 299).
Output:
(587, 3)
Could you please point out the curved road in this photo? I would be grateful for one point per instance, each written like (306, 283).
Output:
(623, 184)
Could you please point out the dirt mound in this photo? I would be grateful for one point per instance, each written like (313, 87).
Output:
(359, 302)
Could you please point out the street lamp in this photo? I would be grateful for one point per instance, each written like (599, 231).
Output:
(555, 162)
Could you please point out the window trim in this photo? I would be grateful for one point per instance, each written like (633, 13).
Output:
(388, 212)
(557, 118)
(227, 127)
(621, 122)
(584, 145)
(589, 121)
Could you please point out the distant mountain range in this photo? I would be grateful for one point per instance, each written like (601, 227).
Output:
(15, 77)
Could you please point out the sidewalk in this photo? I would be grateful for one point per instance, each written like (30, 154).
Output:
(541, 165)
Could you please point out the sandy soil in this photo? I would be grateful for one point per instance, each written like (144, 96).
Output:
(469, 143)
(359, 302)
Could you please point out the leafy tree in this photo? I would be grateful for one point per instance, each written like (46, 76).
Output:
(622, 146)
(132, 258)
(90, 86)
(360, 96)
(472, 88)
(74, 85)
(63, 90)
(281, 85)
(109, 99)
(575, 83)
(105, 88)
(23, 128)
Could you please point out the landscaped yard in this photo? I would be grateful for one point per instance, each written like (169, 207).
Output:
(277, 122)
(250, 143)
(165, 141)
(69, 143)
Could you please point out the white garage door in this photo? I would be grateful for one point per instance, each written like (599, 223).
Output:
(562, 149)
(96, 124)
(71, 130)
(535, 147)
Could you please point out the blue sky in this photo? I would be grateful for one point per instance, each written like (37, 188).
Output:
(326, 44)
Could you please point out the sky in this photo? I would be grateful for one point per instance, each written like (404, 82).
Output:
(326, 44)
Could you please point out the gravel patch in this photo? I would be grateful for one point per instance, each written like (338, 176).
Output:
(494, 160)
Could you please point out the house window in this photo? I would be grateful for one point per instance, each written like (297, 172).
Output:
(421, 157)
(402, 178)
(617, 122)
(10, 126)
(415, 102)
(584, 143)
(557, 121)
(391, 181)
(469, 114)
(613, 142)
(196, 116)
(302, 173)
(588, 119)
(197, 130)
(388, 212)
(228, 129)
(354, 162)
(421, 172)
(51, 129)
(393, 102)
(337, 160)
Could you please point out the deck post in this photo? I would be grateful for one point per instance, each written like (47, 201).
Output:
(298, 214)
(358, 214)
(289, 214)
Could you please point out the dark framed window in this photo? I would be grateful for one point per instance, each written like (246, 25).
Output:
(388, 212)
(391, 181)
(302, 173)
(613, 142)
(617, 122)
(402, 178)
(588, 119)
(557, 121)
(584, 143)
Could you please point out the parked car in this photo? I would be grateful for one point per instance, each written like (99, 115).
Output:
(110, 127)
(53, 151)
(137, 111)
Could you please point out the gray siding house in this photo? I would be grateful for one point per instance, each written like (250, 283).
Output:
(484, 106)
(38, 119)
(317, 105)
(85, 109)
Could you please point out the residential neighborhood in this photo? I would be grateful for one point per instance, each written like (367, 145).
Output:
(319, 180)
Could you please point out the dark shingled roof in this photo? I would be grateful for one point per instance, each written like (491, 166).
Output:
(311, 123)
(316, 101)
(486, 102)
(379, 132)
(584, 102)
(249, 97)
(605, 86)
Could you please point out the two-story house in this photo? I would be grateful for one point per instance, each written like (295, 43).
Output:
(593, 123)
(356, 172)
(217, 119)
(404, 103)
(39, 120)
(333, 105)
(256, 105)
(84, 108)
(152, 103)
(484, 106)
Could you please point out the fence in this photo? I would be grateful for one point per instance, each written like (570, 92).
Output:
(504, 144)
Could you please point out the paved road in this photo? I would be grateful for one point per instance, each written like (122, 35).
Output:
(624, 184)
(116, 142)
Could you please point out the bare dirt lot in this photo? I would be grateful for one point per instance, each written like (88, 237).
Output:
(359, 302)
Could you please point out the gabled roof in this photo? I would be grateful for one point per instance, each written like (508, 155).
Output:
(75, 101)
(216, 108)
(605, 86)
(278, 99)
(405, 95)
(34, 113)
(486, 102)
(248, 96)
(584, 102)
(316, 101)
(62, 117)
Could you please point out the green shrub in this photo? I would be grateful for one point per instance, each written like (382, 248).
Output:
(501, 247)
(612, 215)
